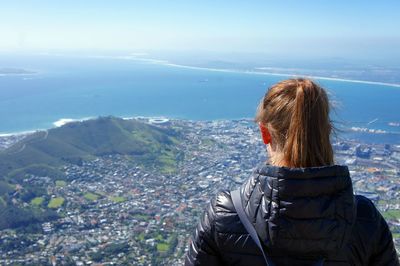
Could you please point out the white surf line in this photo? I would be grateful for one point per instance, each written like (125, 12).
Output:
(58, 123)
(17, 133)
(166, 63)
(285, 75)
(63, 121)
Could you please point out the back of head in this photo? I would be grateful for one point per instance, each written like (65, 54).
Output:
(296, 112)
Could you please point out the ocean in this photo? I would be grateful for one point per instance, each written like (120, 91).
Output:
(81, 87)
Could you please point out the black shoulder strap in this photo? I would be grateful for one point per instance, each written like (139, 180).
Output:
(237, 203)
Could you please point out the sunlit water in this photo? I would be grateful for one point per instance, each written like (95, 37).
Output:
(74, 88)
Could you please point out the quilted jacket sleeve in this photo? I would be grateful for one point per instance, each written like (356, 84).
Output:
(203, 249)
(374, 236)
(384, 251)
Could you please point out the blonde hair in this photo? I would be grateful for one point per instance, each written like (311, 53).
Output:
(296, 112)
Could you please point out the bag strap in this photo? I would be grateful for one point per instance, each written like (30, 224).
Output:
(237, 203)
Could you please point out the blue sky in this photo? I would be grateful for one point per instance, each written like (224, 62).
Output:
(336, 28)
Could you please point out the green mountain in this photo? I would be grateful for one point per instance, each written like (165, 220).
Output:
(43, 153)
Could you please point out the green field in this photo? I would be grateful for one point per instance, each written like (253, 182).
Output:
(165, 244)
(162, 247)
(391, 214)
(117, 199)
(208, 142)
(91, 196)
(141, 236)
(141, 216)
(61, 183)
(168, 161)
(2, 202)
(56, 202)
(37, 201)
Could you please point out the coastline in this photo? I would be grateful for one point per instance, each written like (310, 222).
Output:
(58, 123)
(350, 129)
(19, 133)
(136, 57)
(252, 72)
(63, 121)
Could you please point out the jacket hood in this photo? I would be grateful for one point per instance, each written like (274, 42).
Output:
(306, 212)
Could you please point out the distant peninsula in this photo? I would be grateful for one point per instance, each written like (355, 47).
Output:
(15, 71)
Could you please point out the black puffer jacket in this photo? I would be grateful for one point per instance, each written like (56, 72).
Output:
(300, 215)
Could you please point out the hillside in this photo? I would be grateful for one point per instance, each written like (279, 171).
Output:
(43, 153)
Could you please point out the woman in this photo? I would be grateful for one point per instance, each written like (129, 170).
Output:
(300, 203)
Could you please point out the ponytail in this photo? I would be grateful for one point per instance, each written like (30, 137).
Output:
(298, 112)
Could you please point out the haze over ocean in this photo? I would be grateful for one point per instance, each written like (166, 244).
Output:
(76, 87)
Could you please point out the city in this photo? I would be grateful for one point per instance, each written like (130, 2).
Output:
(116, 212)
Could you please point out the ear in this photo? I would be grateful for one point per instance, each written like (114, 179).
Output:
(266, 136)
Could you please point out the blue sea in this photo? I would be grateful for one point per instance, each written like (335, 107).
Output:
(81, 87)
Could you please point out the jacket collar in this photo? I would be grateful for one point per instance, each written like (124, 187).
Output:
(309, 172)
